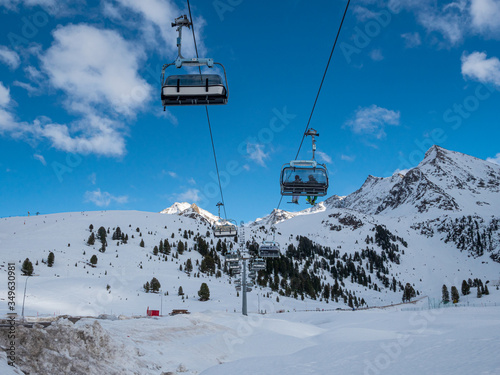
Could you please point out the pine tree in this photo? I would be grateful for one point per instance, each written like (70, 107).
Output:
(486, 291)
(27, 267)
(101, 235)
(207, 264)
(204, 292)
(189, 265)
(117, 234)
(479, 293)
(155, 250)
(147, 288)
(446, 294)
(91, 239)
(91, 227)
(455, 296)
(142, 243)
(465, 288)
(50, 259)
(155, 285)
(180, 291)
(408, 293)
(93, 260)
(180, 247)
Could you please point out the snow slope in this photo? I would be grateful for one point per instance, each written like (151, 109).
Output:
(452, 341)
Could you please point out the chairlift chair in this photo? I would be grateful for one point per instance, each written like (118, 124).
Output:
(192, 89)
(305, 177)
(258, 264)
(232, 261)
(225, 228)
(269, 249)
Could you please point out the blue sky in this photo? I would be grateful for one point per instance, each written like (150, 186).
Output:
(82, 127)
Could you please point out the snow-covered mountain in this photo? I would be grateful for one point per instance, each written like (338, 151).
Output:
(190, 210)
(444, 181)
(451, 195)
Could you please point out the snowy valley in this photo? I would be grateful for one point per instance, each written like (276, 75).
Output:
(437, 224)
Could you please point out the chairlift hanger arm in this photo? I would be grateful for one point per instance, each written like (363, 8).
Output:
(313, 133)
(181, 22)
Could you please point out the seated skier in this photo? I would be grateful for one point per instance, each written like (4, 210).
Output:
(295, 198)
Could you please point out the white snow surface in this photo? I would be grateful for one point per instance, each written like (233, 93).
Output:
(454, 341)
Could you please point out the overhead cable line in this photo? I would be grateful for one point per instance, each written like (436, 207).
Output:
(320, 86)
(208, 116)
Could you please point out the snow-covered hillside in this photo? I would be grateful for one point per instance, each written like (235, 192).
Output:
(436, 225)
(426, 248)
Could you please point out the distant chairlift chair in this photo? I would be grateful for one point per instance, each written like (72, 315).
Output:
(269, 249)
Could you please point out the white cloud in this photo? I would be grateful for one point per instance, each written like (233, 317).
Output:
(363, 14)
(40, 158)
(486, 16)
(103, 199)
(93, 178)
(347, 157)
(98, 72)
(92, 134)
(190, 195)
(376, 55)
(412, 40)
(478, 67)
(324, 156)
(158, 15)
(449, 20)
(54, 7)
(4, 95)
(96, 68)
(192, 181)
(373, 120)
(495, 159)
(256, 153)
(32, 90)
(172, 174)
(7, 121)
(9, 57)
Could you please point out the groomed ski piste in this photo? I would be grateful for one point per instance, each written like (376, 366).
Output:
(458, 340)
